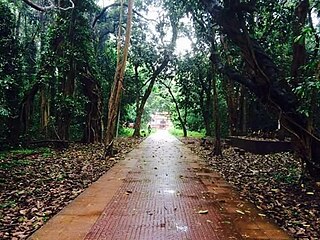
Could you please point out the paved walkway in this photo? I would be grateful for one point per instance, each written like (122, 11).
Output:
(160, 191)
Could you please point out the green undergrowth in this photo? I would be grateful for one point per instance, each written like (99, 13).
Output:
(179, 133)
(17, 157)
(126, 132)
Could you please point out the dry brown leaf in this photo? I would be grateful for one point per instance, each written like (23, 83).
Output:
(203, 211)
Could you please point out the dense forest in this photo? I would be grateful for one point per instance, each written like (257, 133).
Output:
(85, 70)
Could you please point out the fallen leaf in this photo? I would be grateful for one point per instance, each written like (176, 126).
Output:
(238, 211)
(226, 222)
(203, 211)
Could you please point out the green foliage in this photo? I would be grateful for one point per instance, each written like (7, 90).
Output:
(291, 175)
(179, 133)
(25, 151)
(125, 132)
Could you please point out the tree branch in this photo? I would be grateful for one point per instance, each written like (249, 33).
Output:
(47, 8)
(115, 5)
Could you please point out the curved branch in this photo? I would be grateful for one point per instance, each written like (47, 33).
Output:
(67, 8)
(47, 8)
(38, 7)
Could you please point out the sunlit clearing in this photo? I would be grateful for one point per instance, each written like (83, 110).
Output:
(183, 46)
(162, 134)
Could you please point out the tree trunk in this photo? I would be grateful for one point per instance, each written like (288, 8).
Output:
(228, 86)
(13, 121)
(299, 49)
(243, 111)
(138, 89)
(114, 101)
(64, 115)
(26, 107)
(93, 125)
(206, 103)
(217, 151)
(44, 111)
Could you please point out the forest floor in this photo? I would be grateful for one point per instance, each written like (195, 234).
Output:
(36, 184)
(271, 182)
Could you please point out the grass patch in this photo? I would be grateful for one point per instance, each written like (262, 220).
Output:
(25, 151)
(126, 132)
(16, 157)
(179, 133)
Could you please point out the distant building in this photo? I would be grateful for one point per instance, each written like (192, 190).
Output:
(160, 120)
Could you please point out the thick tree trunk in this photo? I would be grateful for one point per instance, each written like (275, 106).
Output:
(93, 125)
(231, 104)
(137, 122)
(138, 87)
(266, 83)
(26, 107)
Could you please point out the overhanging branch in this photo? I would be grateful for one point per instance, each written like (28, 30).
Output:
(115, 5)
(47, 8)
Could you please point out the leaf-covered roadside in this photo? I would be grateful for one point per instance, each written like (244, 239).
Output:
(35, 186)
(271, 182)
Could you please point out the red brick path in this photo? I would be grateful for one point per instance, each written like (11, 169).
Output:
(160, 196)
(160, 199)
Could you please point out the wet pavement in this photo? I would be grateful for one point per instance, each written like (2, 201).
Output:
(160, 191)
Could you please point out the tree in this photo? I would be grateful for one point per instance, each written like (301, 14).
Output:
(156, 70)
(176, 104)
(263, 78)
(114, 100)
(10, 78)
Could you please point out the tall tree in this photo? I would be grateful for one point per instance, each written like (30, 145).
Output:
(10, 78)
(156, 70)
(114, 100)
(263, 78)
